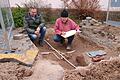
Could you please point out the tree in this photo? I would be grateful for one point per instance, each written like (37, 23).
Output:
(65, 3)
(37, 4)
(83, 7)
(85, 4)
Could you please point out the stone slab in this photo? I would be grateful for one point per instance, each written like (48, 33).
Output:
(25, 52)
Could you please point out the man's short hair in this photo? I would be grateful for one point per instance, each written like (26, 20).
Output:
(32, 8)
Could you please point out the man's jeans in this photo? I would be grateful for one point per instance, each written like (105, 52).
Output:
(59, 38)
(42, 32)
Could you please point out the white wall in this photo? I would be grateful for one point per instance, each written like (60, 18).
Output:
(104, 4)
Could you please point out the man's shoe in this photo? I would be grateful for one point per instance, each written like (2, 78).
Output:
(69, 47)
(41, 43)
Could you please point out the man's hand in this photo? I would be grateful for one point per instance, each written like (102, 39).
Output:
(38, 29)
(37, 32)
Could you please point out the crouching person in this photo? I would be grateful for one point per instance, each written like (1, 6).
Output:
(35, 26)
(63, 25)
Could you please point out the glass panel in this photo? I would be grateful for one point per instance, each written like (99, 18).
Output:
(6, 24)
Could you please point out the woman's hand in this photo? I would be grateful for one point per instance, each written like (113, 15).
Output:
(78, 32)
(63, 33)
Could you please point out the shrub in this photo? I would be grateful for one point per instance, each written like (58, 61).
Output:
(18, 15)
(52, 20)
(72, 17)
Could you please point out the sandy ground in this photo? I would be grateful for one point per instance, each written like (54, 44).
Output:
(14, 71)
(108, 69)
(48, 67)
(80, 46)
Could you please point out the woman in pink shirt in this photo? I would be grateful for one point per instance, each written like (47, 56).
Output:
(62, 25)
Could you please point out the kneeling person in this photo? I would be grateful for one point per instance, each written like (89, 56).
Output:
(63, 25)
(34, 25)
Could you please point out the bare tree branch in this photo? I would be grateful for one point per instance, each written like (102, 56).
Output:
(84, 7)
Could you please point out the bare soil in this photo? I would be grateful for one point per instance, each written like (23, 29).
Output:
(49, 64)
(14, 71)
(105, 70)
(79, 44)
(108, 69)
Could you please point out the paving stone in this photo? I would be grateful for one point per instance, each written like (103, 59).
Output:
(25, 51)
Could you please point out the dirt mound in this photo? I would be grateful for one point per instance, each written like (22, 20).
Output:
(13, 71)
(105, 70)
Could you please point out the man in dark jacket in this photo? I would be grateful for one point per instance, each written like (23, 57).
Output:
(35, 26)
